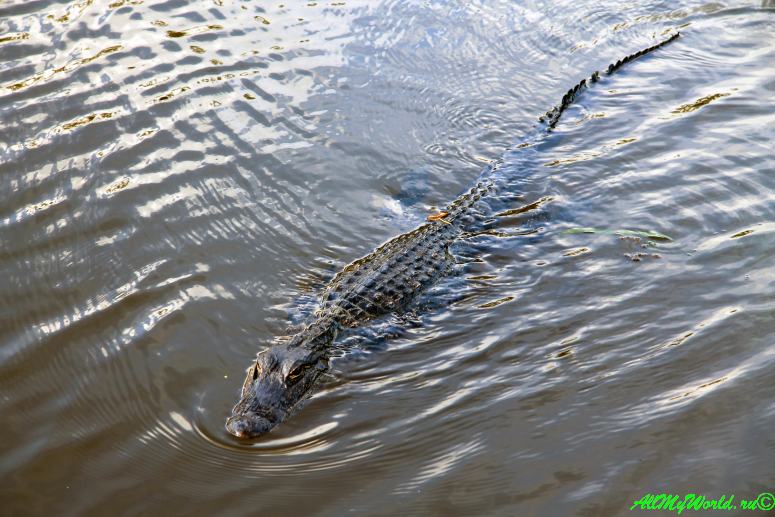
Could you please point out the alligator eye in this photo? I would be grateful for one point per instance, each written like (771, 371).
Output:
(297, 372)
(252, 375)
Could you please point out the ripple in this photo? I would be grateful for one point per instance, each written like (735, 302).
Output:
(182, 178)
(70, 66)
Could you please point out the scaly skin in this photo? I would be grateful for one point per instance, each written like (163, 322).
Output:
(383, 282)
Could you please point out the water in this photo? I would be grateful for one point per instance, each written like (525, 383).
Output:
(179, 179)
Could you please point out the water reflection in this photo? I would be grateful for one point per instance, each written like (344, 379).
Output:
(181, 179)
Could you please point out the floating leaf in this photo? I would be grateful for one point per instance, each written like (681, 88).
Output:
(576, 251)
(648, 234)
(581, 230)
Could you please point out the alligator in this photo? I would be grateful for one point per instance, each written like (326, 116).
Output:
(385, 281)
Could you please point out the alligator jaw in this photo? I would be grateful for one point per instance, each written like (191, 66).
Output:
(280, 378)
(248, 425)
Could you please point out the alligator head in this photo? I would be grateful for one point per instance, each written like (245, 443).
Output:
(278, 380)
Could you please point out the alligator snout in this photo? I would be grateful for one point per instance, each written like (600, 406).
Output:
(248, 425)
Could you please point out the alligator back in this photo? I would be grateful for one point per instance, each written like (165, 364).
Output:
(388, 278)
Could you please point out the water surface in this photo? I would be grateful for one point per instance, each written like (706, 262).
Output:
(179, 179)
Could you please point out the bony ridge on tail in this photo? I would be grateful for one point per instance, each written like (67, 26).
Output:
(383, 282)
(552, 116)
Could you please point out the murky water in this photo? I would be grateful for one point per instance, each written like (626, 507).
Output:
(178, 180)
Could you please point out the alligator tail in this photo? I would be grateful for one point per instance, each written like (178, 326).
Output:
(552, 116)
